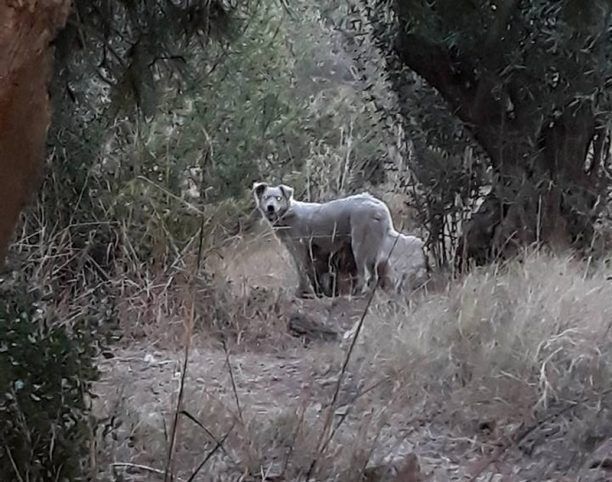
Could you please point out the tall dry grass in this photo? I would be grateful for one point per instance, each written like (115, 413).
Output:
(522, 349)
(511, 344)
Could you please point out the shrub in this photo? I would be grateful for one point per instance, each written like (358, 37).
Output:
(46, 369)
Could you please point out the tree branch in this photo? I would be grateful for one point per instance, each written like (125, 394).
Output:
(467, 89)
(452, 78)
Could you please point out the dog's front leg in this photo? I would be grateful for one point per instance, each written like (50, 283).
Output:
(305, 287)
(303, 265)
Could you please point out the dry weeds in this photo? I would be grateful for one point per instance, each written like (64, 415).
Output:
(506, 371)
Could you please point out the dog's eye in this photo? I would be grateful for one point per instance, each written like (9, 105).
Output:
(278, 198)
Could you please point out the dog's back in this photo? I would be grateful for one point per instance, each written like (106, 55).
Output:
(338, 219)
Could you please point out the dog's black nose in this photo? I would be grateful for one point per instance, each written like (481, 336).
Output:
(271, 209)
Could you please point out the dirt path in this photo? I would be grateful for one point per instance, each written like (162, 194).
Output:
(140, 387)
(150, 379)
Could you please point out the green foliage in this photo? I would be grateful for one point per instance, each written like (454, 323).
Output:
(245, 111)
(272, 100)
(529, 83)
(46, 369)
(519, 64)
(111, 60)
(276, 100)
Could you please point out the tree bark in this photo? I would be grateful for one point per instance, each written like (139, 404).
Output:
(551, 199)
(26, 31)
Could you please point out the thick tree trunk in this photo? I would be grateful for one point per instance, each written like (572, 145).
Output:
(542, 191)
(551, 199)
(26, 31)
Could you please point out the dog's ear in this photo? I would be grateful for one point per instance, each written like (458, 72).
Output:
(258, 189)
(287, 191)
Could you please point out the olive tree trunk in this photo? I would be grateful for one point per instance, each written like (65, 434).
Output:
(543, 191)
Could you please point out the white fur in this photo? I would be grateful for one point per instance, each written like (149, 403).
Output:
(403, 262)
(361, 218)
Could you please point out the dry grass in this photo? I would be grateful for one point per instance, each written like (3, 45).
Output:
(521, 351)
(277, 437)
(538, 324)
(506, 345)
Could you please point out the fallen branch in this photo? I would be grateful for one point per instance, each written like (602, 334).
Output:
(144, 468)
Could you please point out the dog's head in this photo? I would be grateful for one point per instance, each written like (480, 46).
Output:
(272, 201)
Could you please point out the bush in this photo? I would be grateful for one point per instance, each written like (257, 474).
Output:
(46, 369)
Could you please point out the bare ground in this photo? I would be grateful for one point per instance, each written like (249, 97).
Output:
(258, 412)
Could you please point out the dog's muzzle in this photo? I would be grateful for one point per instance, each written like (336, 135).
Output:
(271, 213)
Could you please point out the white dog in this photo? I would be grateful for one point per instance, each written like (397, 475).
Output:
(361, 219)
(402, 265)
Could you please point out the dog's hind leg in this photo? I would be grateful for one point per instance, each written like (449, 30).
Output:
(367, 241)
(364, 261)
(360, 255)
